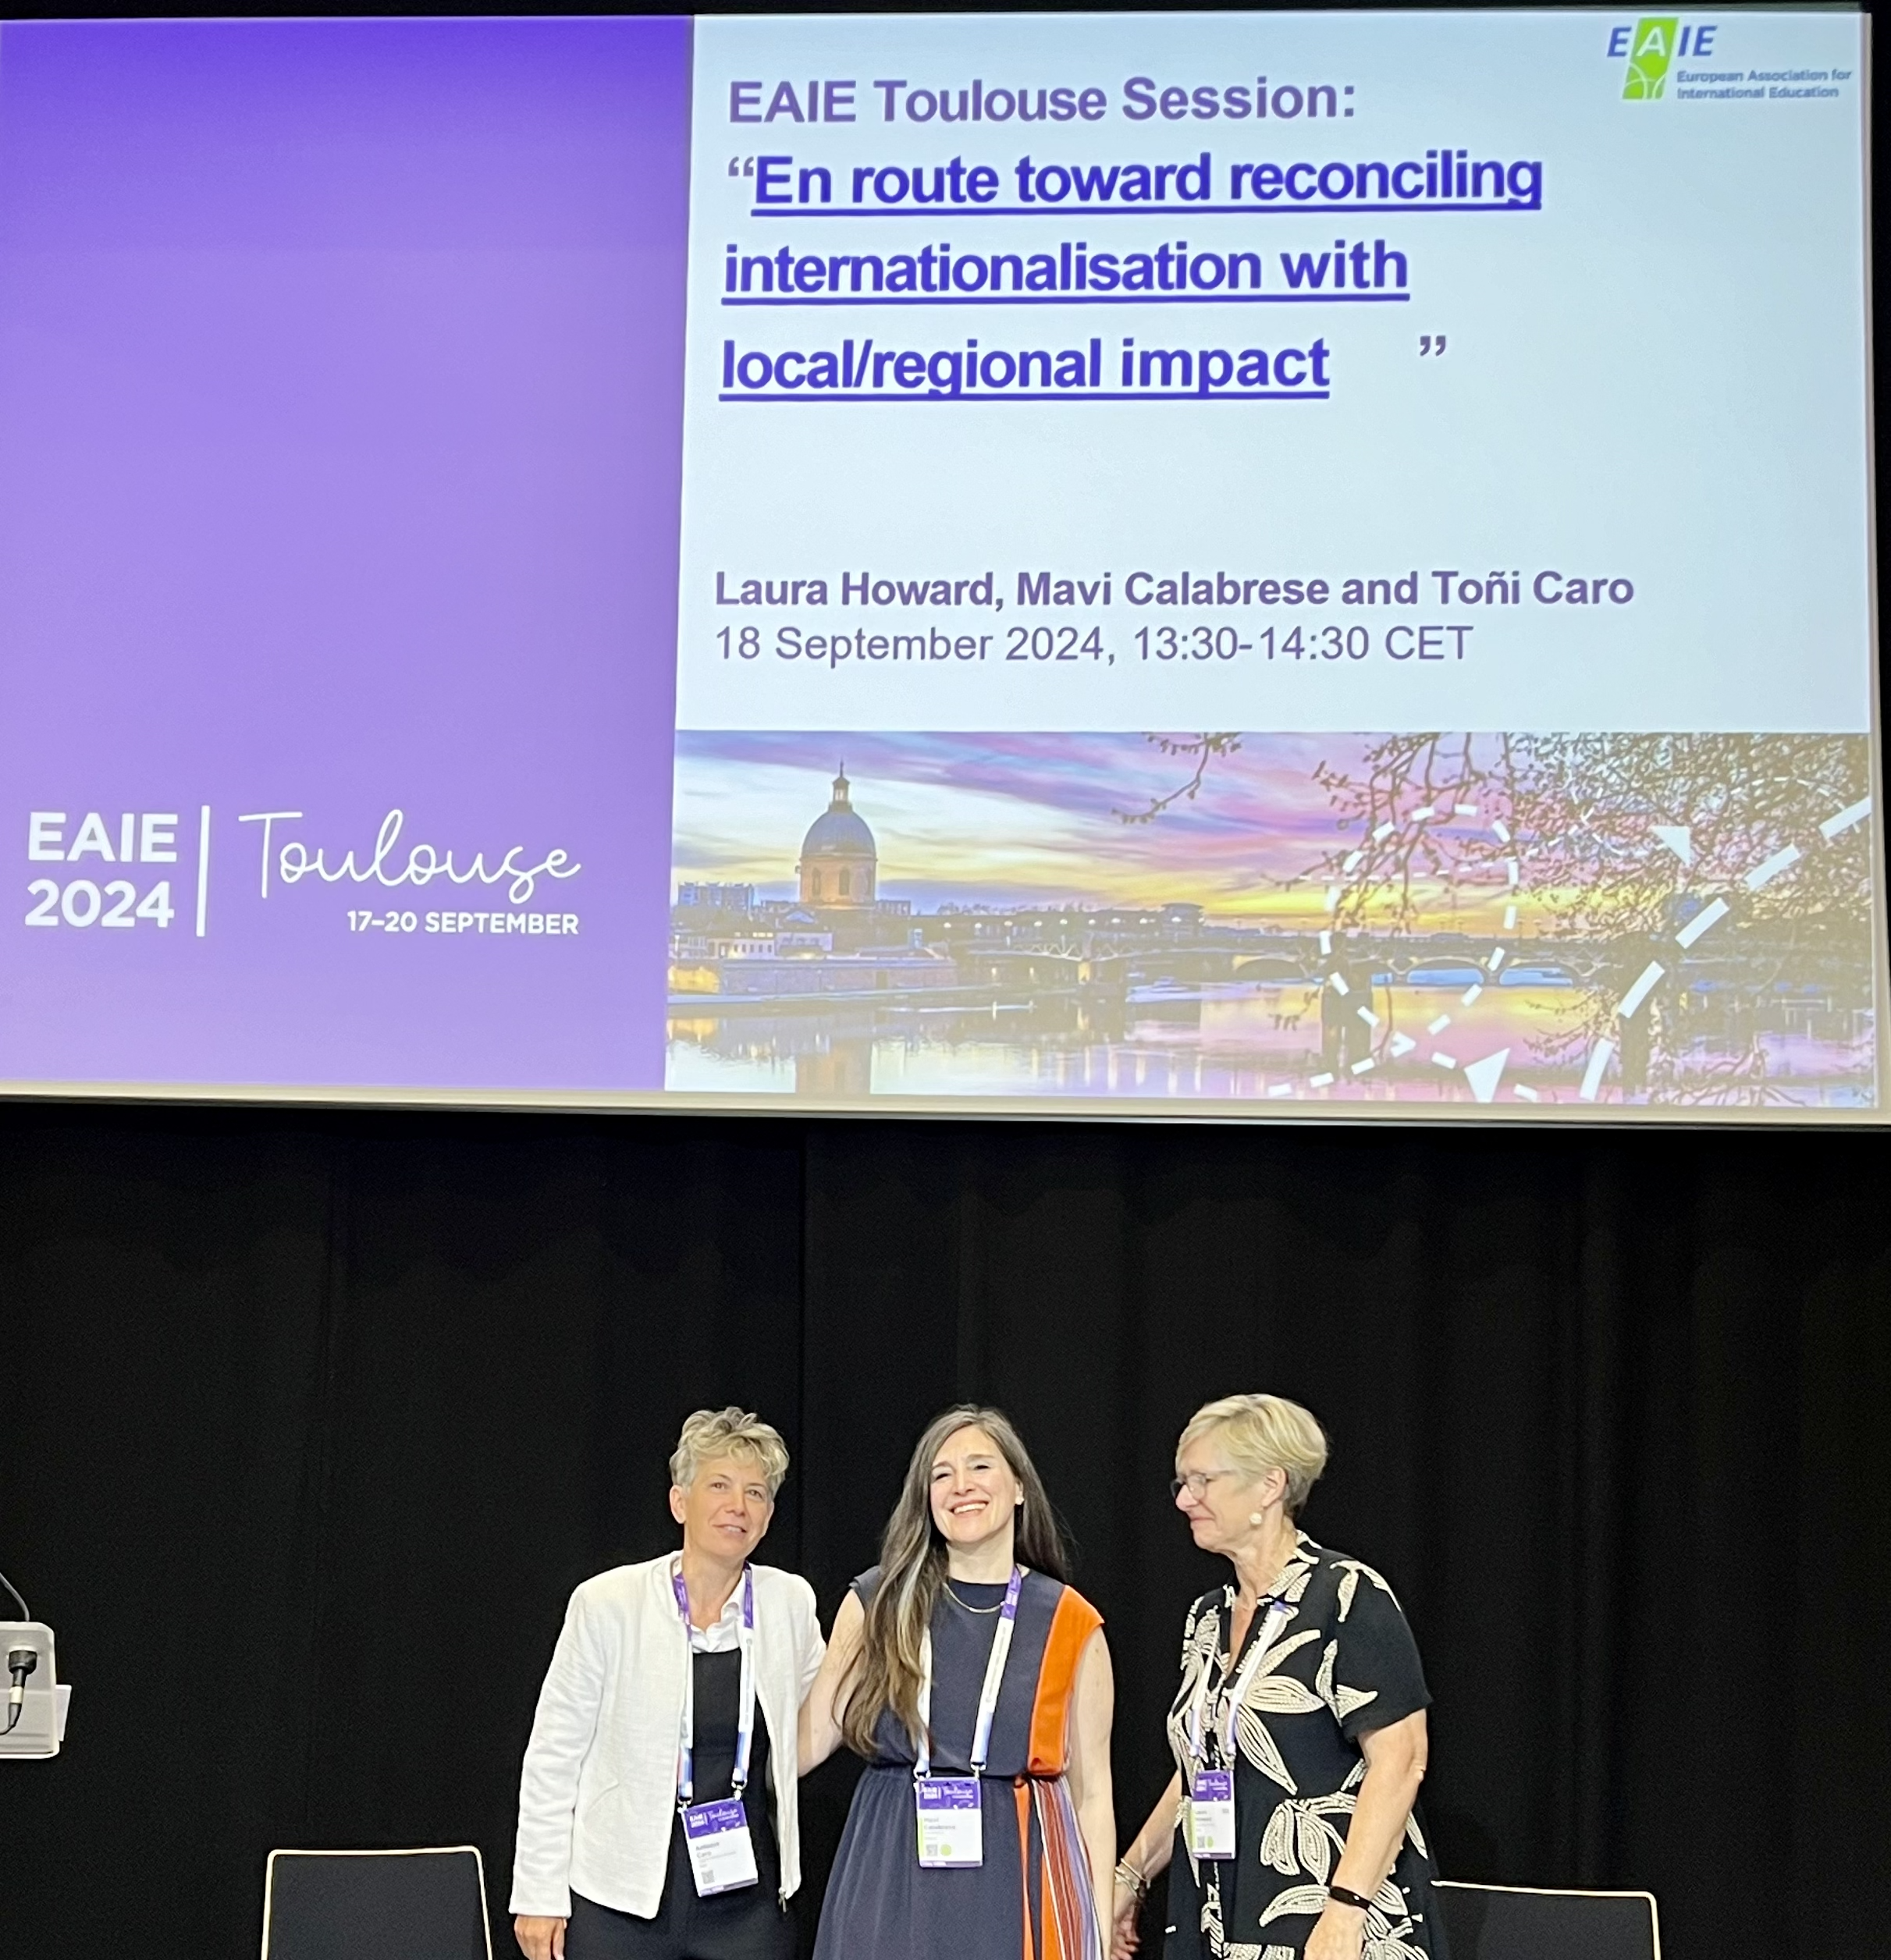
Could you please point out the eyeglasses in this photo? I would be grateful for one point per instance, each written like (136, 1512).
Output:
(1195, 1482)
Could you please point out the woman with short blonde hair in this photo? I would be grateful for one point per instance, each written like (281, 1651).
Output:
(658, 1816)
(1257, 1433)
(1298, 1731)
(728, 1432)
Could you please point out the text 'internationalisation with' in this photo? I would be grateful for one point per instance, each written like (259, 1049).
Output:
(1073, 274)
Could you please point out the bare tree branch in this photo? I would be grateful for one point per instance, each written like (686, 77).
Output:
(1204, 748)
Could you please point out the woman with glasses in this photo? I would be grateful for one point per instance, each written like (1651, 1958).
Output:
(1298, 1728)
(976, 1684)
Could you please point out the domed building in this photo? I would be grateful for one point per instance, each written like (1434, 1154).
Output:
(839, 858)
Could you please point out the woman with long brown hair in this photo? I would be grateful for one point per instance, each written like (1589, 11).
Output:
(976, 1683)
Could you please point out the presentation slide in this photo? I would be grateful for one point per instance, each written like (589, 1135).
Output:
(1176, 565)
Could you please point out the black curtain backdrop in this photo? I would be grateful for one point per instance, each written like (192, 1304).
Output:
(311, 1421)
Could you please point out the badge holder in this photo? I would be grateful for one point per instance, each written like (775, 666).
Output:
(722, 1855)
(951, 1822)
(1211, 1814)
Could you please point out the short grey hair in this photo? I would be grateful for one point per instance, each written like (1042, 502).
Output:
(710, 1433)
(1263, 1432)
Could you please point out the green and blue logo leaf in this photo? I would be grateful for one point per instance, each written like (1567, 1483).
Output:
(1650, 52)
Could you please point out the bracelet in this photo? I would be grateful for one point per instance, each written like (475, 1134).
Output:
(1341, 1895)
(1127, 1874)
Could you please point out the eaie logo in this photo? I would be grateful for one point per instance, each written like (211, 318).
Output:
(1650, 46)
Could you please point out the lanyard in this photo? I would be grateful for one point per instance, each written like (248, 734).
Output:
(988, 1695)
(1276, 1615)
(745, 1720)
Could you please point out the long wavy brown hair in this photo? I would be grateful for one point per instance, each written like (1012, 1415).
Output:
(885, 1671)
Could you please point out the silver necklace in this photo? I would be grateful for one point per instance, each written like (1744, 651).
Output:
(967, 1604)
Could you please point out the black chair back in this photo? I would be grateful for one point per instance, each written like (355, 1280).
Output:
(376, 1906)
(1504, 1922)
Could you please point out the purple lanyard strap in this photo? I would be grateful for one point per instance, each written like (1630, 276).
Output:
(745, 1722)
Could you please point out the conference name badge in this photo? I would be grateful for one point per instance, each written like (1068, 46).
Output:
(722, 1856)
(951, 1822)
(1211, 1814)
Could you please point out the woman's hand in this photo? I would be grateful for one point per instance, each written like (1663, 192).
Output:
(539, 1939)
(1123, 1935)
(1339, 1934)
(1148, 1854)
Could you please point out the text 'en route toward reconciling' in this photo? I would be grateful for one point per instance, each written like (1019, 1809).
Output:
(1443, 180)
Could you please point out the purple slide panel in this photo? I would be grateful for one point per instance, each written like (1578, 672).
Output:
(341, 374)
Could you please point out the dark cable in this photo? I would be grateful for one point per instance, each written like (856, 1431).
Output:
(25, 1612)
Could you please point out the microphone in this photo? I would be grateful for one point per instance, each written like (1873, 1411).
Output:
(27, 1644)
(20, 1662)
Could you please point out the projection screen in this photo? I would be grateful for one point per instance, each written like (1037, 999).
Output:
(1187, 565)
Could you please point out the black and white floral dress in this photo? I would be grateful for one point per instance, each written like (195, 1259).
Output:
(1340, 1662)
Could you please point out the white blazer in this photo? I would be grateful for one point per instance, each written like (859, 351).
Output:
(597, 1791)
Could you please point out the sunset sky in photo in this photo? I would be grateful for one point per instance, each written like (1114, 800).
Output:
(1023, 820)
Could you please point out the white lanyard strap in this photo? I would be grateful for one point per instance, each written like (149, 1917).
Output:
(988, 1695)
(745, 1718)
(1275, 1613)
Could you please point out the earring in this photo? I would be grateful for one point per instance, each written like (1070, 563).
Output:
(1255, 1516)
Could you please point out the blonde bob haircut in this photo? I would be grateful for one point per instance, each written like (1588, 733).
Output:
(710, 1433)
(1258, 1433)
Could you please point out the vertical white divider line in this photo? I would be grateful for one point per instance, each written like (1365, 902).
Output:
(203, 868)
